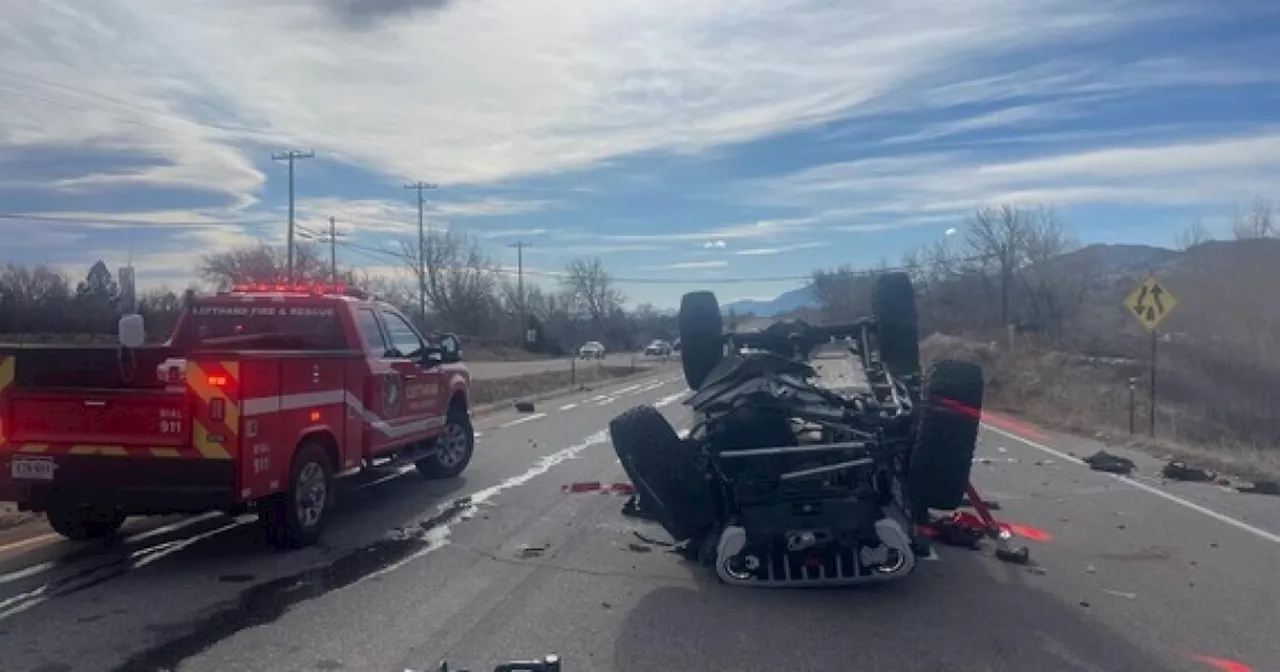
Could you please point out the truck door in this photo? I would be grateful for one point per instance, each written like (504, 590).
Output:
(417, 399)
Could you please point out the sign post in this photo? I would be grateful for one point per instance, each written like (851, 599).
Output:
(1150, 303)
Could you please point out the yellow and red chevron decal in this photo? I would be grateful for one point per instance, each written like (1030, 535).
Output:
(213, 383)
(104, 450)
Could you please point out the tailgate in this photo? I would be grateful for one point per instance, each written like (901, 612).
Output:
(99, 421)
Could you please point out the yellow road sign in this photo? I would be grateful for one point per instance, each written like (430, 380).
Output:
(1150, 302)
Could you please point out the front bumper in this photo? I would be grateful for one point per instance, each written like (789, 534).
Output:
(772, 566)
(136, 486)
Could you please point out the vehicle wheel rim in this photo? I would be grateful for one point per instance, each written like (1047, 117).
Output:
(453, 445)
(312, 492)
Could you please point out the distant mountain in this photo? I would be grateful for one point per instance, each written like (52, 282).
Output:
(782, 303)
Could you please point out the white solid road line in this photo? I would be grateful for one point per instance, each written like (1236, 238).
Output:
(1220, 517)
(568, 407)
(521, 421)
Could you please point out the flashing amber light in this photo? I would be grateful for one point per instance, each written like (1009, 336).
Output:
(315, 416)
(218, 381)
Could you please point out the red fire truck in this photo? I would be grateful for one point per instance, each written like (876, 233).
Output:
(261, 398)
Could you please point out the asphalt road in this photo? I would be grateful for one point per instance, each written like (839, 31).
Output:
(488, 370)
(1137, 576)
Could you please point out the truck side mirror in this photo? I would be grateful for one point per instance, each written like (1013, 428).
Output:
(450, 348)
(132, 331)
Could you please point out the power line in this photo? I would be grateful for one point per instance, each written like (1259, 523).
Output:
(291, 156)
(422, 244)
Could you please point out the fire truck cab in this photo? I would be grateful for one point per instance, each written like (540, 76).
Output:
(262, 397)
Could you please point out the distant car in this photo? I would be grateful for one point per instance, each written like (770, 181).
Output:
(658, 348)
(675, 346)
(591, 350)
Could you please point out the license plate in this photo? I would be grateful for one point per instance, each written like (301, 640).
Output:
(32, 469)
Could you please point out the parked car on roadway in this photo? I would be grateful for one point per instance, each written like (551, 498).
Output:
(591, 350)
(658, 348)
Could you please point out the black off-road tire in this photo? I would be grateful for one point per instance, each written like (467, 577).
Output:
(893, 302)
(664, 471)
(83, 523)
(701, 336)
(452, 458)
(281, 515)
(947, 434)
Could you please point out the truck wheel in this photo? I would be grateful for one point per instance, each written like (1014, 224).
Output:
(297, 516)
(81, 522)
(457, 442)
(701, 336)
(893, 302)
(663, 469)
(947, 434)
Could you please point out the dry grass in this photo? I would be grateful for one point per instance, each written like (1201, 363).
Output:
(1090, 397)
(518, 387)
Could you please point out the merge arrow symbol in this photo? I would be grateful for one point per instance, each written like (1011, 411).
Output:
(1156, 291)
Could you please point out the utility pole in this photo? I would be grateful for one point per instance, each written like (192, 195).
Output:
(333, 250)
(291, 156)
(524, 314)
(422, 243)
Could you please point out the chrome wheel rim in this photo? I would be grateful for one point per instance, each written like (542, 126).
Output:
(453, 445)
(312, 491)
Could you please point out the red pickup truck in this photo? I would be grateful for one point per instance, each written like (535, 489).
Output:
(262, 397)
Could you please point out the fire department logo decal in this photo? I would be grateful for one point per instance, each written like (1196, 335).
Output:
(392, 395)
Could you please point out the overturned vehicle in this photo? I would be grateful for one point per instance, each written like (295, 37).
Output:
(815, 451)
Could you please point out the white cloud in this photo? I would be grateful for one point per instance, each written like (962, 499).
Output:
(552, 84)
(767, 251)
(719, 263)
(938, 186)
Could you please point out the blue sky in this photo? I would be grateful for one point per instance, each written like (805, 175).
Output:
(742, 140)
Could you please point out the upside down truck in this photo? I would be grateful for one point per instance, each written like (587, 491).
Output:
(263, 396)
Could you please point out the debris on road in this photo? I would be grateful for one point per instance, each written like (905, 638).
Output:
(526, 552)
(649, 540)
(1117, 593)
(1112, 464)
(1262, 488)
(639, 548)
(524, 406)
(1177, 470)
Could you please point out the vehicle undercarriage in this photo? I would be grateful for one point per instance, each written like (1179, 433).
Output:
(816, 452)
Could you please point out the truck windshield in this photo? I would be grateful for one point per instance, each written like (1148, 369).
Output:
(262, 327)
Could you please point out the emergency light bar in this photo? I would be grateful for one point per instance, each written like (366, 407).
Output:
(298, 287)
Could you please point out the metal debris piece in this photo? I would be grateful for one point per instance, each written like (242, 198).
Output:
(526, 552)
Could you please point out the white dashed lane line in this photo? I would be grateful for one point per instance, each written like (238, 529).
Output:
(521, 421)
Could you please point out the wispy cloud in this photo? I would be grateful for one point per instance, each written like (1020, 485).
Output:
(768, 251)
(718, 263)
(1208, 170)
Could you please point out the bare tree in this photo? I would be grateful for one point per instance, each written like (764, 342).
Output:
(460, 281)
(997, 235)
(262, 263)
(842, 293)
(1052, 294)
(1195, 234)
(591, 288)
(1259, 221)
(36, 298)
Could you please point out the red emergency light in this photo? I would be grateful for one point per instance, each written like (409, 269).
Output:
(316, 288)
